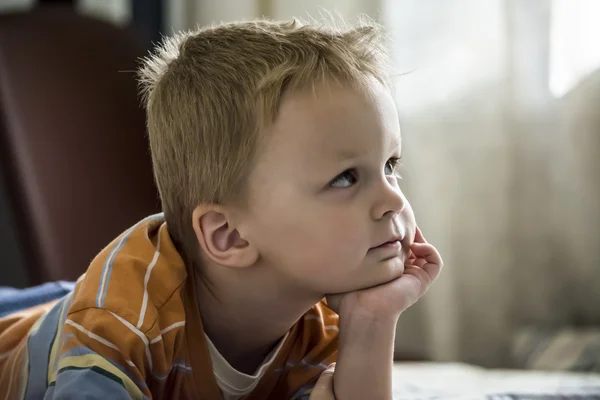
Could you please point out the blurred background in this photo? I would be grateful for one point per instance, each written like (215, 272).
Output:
(499, 103)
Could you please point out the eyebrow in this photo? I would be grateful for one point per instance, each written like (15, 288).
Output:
(344, 155)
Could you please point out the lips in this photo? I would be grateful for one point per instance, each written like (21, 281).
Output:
(387, 251)
(393, 243)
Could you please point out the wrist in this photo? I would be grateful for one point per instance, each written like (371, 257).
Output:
(364, 318)
(362, 330)
(365, 357)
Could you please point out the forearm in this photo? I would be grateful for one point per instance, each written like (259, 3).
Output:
(364, 365)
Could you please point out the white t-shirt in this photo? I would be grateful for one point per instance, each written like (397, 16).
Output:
(233, 383)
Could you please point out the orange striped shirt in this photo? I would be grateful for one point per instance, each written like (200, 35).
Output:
(132, 329)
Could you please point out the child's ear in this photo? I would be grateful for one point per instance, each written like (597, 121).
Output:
(219, 239)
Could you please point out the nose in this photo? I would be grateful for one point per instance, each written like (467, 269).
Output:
(390, 201)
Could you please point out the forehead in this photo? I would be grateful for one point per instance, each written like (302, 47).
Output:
(333, 122)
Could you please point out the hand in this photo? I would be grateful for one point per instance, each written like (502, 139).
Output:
(388, 300)
(323, 389)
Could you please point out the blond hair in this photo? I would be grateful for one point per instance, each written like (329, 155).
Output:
(209, 92)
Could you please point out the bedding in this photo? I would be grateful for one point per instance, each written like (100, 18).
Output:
(13, 300)
(445, 381)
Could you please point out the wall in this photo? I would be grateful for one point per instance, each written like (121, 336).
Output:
(205, 12)
(7, 5)
(12, 266)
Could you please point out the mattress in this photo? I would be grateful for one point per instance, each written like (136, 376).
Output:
(442, 381)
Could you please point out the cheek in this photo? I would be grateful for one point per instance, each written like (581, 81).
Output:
(330, 240)
(409, 216)
(409, 223)
(312, 236)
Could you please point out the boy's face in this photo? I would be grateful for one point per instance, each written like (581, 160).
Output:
(324, 198)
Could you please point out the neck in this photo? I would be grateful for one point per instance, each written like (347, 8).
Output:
(245, 314)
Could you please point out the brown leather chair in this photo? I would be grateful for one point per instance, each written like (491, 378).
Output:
(72, 137)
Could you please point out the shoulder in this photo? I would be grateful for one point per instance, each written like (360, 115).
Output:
(137, 275)
(314, 343)
(318, 329)
(325, 319)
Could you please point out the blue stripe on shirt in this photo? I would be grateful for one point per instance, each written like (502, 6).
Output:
(108, 263)
(87, 383)
(38, 348)
(83, 350)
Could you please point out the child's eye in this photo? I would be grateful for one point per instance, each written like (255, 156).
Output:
(345, 179)
(391, 165)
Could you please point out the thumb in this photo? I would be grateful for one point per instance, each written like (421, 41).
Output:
(323, 389)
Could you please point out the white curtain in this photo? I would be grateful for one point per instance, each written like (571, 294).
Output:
(500, 111)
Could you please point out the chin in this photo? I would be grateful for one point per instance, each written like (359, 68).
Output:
(391, 269)
(386, 271)
(370, 275)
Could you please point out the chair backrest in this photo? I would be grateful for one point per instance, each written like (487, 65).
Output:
(72, 137)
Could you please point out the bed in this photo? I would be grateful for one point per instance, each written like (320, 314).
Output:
(442, 381)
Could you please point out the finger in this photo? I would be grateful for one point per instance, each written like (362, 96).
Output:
(424, 278)
(420, 262)
(427, 252)
(433, 270)
(419, 238)
(433, 261)
(323, 389)
(413, 284)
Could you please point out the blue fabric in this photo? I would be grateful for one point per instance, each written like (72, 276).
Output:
(13, 300)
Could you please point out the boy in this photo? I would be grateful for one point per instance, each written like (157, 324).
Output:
(275, 147)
